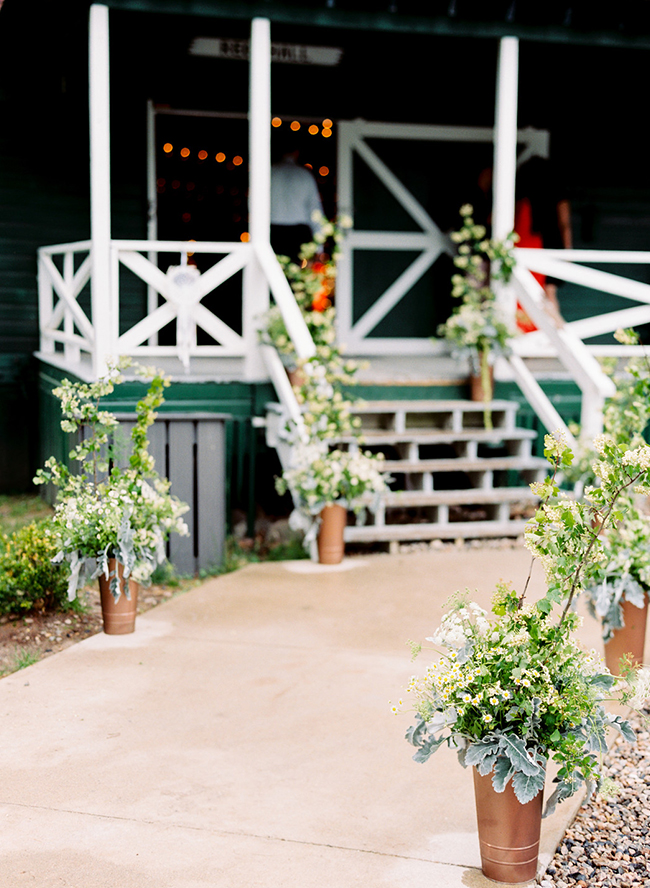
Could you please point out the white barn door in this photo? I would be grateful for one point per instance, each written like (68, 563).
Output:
(420, 245)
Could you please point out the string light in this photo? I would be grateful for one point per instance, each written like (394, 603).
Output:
(277, 121)
(327, 123)
(313, 129)
(203, 155)
(185, 152)
(168, 147)
(324, 171)
(327, 133)
(238, 160)
(295, 125)
(244, 237)
(220, 157)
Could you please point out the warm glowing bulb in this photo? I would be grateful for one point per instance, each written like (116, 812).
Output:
(203, 155)
(327, 123)
(220, 157)
(277, 121)
(309, 166)
(295, 125)
(238, 160)
(327, 133)
(185, 152)
(167, 147)
(324, 171)
(244, 237)
(313, 129)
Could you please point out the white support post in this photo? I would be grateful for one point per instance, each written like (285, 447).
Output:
(505, 151)
(100, 185)
(152, 206)
(256, 288)
(45, 306)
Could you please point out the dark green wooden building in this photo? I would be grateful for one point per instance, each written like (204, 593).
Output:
(393, 106)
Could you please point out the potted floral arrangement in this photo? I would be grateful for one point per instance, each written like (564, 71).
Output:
(118, 518)
(619, 597)
(514, 689)
(326, 483)
(477, 329)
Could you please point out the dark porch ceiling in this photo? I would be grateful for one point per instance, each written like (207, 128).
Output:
(626, 23)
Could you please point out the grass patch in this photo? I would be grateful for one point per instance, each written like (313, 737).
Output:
(24, 658)
(20, 509)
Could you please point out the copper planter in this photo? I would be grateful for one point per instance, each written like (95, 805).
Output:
(331, 547)
(118, 616)
(630, 639)
(476, 392)
(508, 832)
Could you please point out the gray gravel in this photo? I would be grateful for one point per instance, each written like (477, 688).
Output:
(608, 844)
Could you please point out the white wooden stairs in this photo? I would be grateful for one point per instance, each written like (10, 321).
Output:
(452, 477)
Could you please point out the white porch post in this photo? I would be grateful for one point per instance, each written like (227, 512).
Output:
(256, 288)
(100, 186)
(505, 150)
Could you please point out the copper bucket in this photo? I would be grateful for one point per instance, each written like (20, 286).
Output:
(330, 535)
(630, 639)
(119, 617)
(508, 832)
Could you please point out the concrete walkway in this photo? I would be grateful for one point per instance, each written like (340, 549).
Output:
(243, 737)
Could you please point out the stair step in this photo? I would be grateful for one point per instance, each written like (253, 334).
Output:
(440, 436)
(434, 531)
(481, 464)
(472, 496)
(432, 404)
(456, 415)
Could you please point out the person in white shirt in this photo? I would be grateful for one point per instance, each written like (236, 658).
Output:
(295, 200)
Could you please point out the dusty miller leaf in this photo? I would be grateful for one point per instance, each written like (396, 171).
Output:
(522, 760)
(503, 771)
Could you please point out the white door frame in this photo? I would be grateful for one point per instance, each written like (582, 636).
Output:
(429, 240)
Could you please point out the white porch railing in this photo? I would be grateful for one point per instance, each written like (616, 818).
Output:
(566, 343)
(61, 318)
(64, 270)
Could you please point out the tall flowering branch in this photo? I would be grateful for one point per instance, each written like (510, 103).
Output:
(477, 328)
(565, 534)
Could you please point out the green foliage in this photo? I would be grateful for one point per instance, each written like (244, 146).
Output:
(104, 511)
(17, 510)
(29, 581)
(320, 477)
(515, 689)
(24, 658)
(477, 326)
(626, 574)
(312, 280)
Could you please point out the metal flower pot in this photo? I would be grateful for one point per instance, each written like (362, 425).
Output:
(118, 616)
(630, 639)
(508, 832)
(330, 534)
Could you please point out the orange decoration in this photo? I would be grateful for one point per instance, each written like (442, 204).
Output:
(321, 301)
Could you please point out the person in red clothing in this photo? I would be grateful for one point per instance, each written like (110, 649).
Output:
(542, 219)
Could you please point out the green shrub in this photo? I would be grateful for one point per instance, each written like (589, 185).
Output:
(28, 579)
